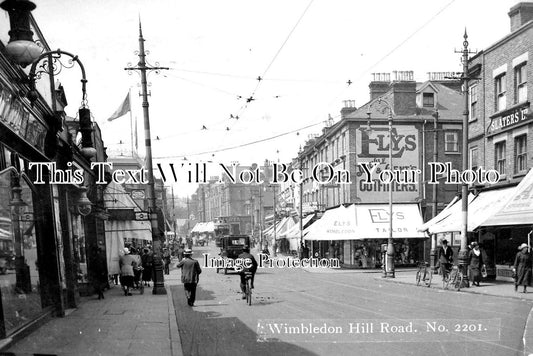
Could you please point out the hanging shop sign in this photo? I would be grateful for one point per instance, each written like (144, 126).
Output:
(510, 119)
(15, 116)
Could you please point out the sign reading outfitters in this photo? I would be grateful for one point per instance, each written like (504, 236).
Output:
(373, 146)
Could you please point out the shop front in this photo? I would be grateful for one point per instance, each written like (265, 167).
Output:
(355, 234)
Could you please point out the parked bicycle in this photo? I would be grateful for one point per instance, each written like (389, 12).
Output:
(424, 274)
(455, 278)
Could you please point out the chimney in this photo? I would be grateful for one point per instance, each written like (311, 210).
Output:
(404, 93)
(349, 107)
(379, 85)
(520, 14)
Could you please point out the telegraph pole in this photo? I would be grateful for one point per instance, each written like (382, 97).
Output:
(463, 253)
(159, 286)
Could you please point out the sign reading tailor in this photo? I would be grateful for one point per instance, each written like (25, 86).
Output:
(372, 147)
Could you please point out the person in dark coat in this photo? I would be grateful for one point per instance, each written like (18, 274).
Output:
(181, 249)
(475, 263)
(190, 275)
(445, 256)
(522, 268)
(147, 260)
(243, 256)
(99, 270)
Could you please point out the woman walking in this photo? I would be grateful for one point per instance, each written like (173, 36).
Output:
(475, 263)
(522, 268)
(147, 262)
(126, 271)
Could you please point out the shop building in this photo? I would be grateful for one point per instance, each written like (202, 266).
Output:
(501, 138)
(426, 127)
(48, 231)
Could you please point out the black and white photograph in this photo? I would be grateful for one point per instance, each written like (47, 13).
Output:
(246, 177)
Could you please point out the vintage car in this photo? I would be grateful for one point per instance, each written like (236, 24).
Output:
(231, 246)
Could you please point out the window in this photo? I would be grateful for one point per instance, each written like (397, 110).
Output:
(520, 147)
(428, 100)
(499, 155)
(451, 141)
(500, 90)
(473, 102)
(474, 159)
(520, 82)
(343, 143)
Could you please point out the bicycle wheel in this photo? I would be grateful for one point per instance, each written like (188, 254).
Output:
(450, 278)
(418, 277)
(458, 281)
(430, 277)
(248, 292)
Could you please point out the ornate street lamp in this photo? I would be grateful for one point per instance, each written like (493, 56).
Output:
(388, 268)
(24, 51)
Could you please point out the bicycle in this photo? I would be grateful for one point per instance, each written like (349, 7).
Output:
(455, 278)
(424, 274)
(248, 287)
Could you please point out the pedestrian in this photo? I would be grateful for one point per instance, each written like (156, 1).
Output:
(137, 270)
(522, 268)
(147, 260)
(475, 263)
(166, 260)
(445, 256)
(126, 263)
(99, 272)
(181, 249)
(190, 275)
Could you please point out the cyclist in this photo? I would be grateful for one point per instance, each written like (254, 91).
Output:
(247, 255)
(445, 258)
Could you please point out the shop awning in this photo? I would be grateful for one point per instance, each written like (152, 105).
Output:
(130, 229)
(518, 209)
(116, 197)
(367, 221)
(204, 227)
(294, 232)
(480, 209)
(283, 229)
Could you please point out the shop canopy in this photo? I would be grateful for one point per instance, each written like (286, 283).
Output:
(294, 232)
(518, 209)
(281, 231)
(204, 227)
(367, 221)
(481, 208)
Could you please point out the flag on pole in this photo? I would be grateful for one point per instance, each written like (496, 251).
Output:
(122, 109)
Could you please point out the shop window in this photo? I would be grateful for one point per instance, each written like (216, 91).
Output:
(500, 90)
(428, 100)
(451, 141)
(499, 156)
(473, 102)
(520, 81)
(520, 146)
(473, 158)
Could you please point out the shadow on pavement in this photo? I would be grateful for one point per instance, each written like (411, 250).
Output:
(206, 333)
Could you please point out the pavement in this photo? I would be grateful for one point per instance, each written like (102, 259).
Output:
(493, 288)
(117, 325)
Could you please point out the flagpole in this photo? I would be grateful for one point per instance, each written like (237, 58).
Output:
(131, 121)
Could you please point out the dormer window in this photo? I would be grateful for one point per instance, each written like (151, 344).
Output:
(428, 100)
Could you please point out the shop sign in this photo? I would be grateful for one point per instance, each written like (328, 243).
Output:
(142, 216)
(372, 146)
(137, 194)
(16, 117)
(510, 119)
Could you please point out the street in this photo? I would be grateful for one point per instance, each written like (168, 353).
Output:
(354, 312)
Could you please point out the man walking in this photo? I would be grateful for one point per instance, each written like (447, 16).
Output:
(190, 273)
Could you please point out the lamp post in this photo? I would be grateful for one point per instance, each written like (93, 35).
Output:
(388, 268)
(433, 250)
(159, 286)
(463, 253)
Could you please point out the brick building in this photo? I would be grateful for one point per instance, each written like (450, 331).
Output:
(424, 115)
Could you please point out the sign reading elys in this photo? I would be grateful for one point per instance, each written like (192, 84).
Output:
(372, 146)
(509, 119)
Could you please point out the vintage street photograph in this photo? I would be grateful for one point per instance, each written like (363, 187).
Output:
(247, 177)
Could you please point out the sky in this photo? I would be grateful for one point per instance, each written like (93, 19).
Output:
(304, 51)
